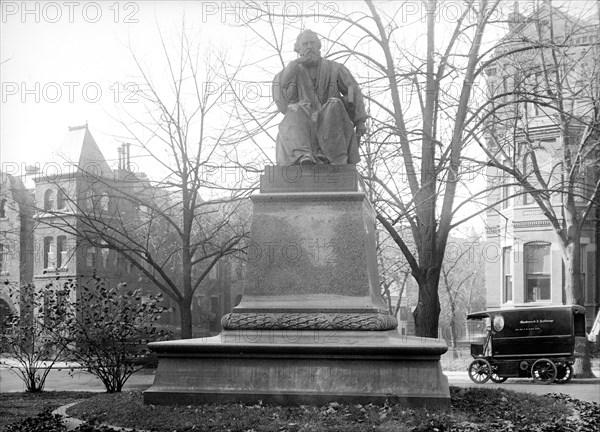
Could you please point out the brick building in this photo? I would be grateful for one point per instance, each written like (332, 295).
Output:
(39, 244)
(16, 243)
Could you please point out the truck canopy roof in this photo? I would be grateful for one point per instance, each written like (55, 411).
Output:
(576, 309)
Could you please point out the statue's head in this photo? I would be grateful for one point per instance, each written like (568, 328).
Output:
(308, 44)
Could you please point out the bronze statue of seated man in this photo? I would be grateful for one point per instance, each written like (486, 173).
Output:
(323, 107)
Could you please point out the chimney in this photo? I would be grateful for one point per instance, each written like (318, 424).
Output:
(128, 157)
(515, 18)
(120, 152)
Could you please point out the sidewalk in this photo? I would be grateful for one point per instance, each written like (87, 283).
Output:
(63, 378)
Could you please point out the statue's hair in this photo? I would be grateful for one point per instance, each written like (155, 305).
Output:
(302, 33)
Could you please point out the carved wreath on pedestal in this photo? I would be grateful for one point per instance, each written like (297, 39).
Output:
(308, 321)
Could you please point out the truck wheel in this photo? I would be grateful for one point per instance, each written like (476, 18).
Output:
(495, 377)
(564, 373)
(543, 371)
(480, 371)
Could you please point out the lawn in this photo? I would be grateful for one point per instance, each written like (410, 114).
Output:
(473, 409)
(15, 407)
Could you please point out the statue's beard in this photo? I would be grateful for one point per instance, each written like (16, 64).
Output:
(312, 56)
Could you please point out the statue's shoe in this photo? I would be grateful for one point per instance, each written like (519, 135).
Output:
(322, 159)
(305, 160)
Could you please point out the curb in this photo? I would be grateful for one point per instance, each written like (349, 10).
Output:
(465, 376)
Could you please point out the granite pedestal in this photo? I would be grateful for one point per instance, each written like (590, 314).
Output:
(312, 326)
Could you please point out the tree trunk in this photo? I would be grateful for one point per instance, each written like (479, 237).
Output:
(427, 313)
(583, 365)
(185, 313)
(574, 293)
(453, 333)
(571, 255)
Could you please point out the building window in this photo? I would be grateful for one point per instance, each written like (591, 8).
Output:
(527, 199)
(49, 256)
(105, 253)
(104, 200)
(60, 199)
(537, 271)
(49, 199)
(90, 256)
(90, 200)
(507, 275)
(213, 273)
(506, 191)
(55, 306)
(62, 298)
(61, 252)
(47, 307)
(3, 260)
(2, 208)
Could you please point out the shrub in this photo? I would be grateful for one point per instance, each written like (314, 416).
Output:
(30, 337)
(109, 328)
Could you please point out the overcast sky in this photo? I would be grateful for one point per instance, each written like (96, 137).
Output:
(67, 63)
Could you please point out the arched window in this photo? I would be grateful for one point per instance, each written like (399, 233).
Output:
(60, 199)
(104, 201)
(536, 259)
(49, 200)
(49, 256)
(61, 252)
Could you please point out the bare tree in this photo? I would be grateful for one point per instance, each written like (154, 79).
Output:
(393, 274)
(175, 225)
(463, 281)
(543, 130)
(543, 139)
(419, 106)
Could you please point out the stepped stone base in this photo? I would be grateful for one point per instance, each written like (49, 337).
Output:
(301, 367)
(311, 327)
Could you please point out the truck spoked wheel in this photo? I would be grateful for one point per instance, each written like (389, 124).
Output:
(480, 371)
(495, 377)
(543, 371)
(564, 373)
